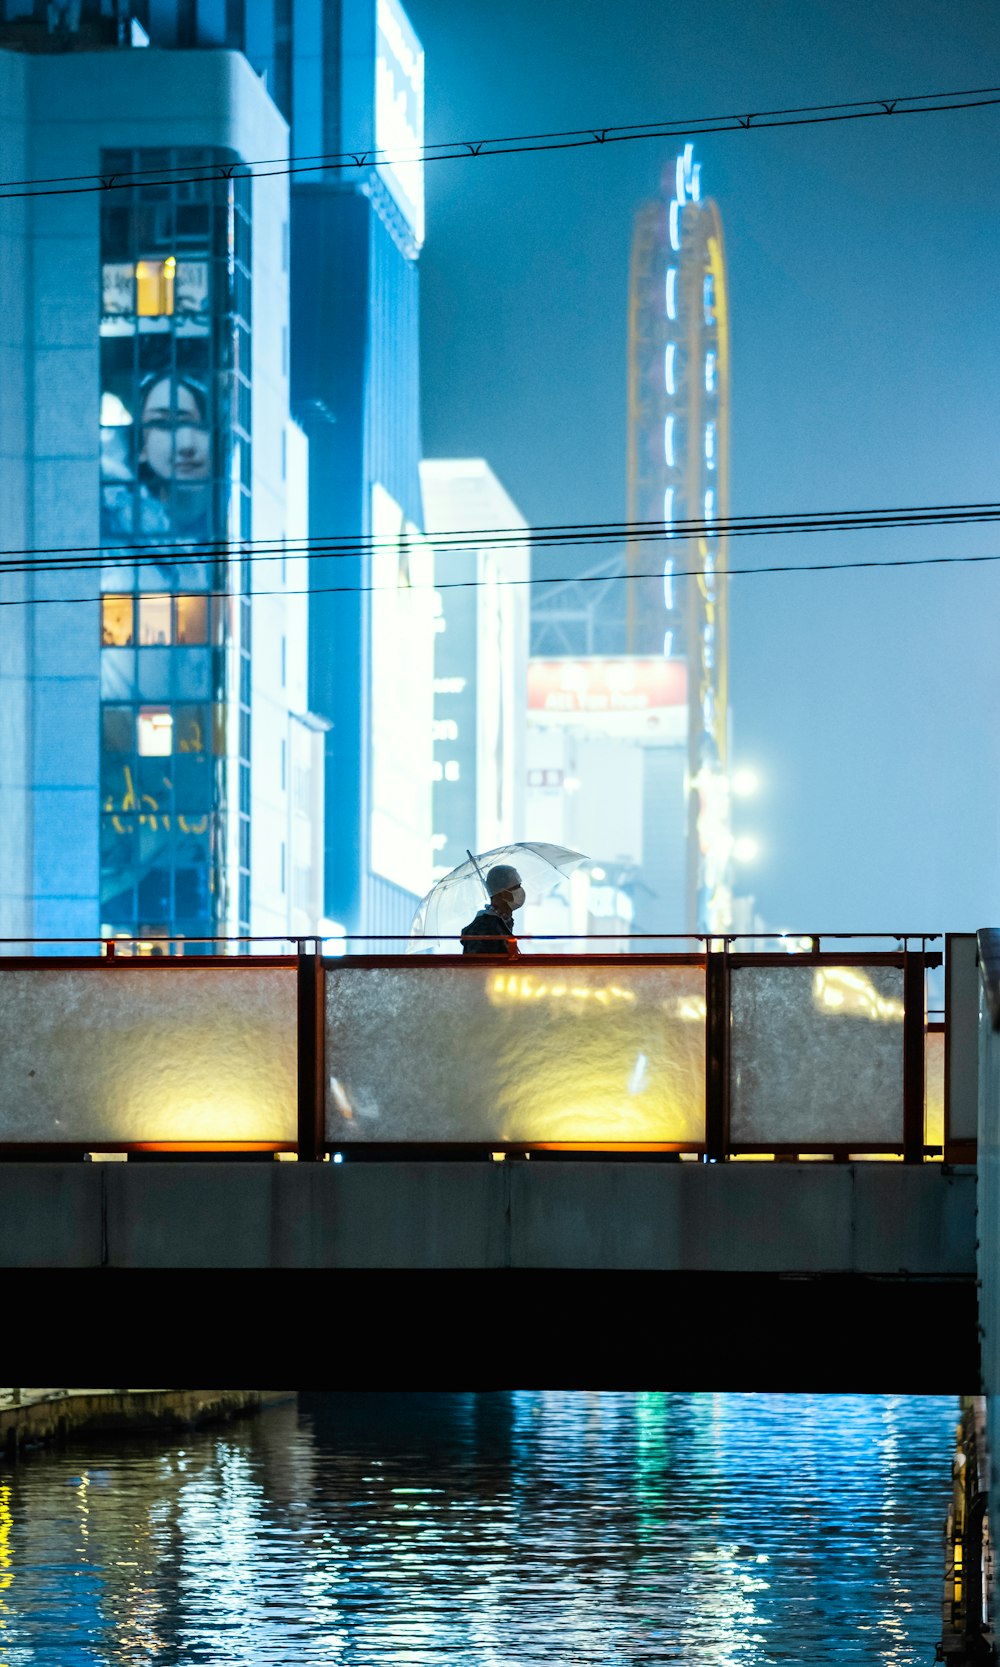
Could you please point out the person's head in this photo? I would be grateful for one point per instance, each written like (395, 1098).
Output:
(503, 883)
(175, 444)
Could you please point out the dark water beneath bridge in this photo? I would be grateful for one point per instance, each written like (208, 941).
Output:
(492, 1530)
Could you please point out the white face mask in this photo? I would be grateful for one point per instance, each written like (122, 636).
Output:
(517, 897)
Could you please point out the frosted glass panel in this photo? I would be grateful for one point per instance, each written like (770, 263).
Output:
(934, 1088)
(515, 1053)
(109, 1054)
(817, 1054)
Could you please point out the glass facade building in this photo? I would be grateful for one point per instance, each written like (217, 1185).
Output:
(175, 463)
(349, 74)
(160, 772)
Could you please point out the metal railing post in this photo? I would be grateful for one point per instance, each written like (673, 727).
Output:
(914, 965)
(717, 1020)
(311, 1036)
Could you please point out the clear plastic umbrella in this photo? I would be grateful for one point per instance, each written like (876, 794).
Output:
(456, 898)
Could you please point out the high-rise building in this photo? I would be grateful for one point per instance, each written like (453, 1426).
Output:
(480, 659)
(629, 681)
(348, 76)
(160, 764)
(356, 240)
(678, 474)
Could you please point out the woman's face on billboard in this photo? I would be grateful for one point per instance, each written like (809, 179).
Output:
(175, 440)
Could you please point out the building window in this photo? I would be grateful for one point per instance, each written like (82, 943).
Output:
(116, 621)
(154, 284)
(191, 613)
(154, 621)
(156, 732)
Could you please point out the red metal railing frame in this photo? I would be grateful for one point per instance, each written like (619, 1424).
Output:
(719, 959)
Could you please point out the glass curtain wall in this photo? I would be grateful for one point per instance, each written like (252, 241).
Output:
(175, 515)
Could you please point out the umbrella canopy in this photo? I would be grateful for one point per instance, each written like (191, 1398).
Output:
(456, 898)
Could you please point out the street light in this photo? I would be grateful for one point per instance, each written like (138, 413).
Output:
(745, 848)
(744, 783)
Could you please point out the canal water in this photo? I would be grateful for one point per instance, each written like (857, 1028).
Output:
(489, 1531)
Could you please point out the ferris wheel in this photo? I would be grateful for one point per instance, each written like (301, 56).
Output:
(678, 473)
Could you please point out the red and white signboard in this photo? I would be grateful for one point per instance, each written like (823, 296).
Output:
(626, 696)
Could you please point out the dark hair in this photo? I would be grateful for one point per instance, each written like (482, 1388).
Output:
(196, 389)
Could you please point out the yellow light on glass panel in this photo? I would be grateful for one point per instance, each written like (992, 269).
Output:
(156, 732)
(846, 990)
(154, 282)
(527, 986)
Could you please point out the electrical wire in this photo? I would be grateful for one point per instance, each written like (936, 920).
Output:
(360, 160)
(472, 540)
(566, 579)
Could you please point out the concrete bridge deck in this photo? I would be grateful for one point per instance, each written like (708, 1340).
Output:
(855, 1277)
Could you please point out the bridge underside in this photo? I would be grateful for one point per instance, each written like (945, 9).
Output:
(855, 1277)
(510, 1329)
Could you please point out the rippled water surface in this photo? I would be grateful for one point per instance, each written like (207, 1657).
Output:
(490, 1529)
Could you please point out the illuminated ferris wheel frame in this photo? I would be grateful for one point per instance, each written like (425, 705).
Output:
(678, 470)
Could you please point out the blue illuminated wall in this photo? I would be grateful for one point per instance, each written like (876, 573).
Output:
(355, 389)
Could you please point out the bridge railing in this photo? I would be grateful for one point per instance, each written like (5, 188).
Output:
(719, 1050)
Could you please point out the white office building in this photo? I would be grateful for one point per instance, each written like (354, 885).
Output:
(480, 659)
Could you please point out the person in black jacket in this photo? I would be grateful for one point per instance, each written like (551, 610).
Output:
(492, 931)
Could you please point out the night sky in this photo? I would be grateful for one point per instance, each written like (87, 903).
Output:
(865, 327)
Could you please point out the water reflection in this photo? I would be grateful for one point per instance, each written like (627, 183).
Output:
(490, 1529)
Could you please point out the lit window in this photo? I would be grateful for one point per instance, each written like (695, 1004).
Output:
(116, 621)
(669, 368)
(451, 770)
(710, 445)
(154, 621)
(444, 729)
(156, 732)
(710, 373)
(709, 505)
(192, 619)
(668, 506)
(154, 282)
(709, 298)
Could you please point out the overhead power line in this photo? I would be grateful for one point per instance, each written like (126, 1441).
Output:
(471, 540)
(363, 159)
(565, 579)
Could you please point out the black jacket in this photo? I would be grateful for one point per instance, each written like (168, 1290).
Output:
(489, 934)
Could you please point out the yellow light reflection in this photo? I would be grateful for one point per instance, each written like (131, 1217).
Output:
(527, 986)
(6, 1571)
(581, 1057)
(846, 990)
